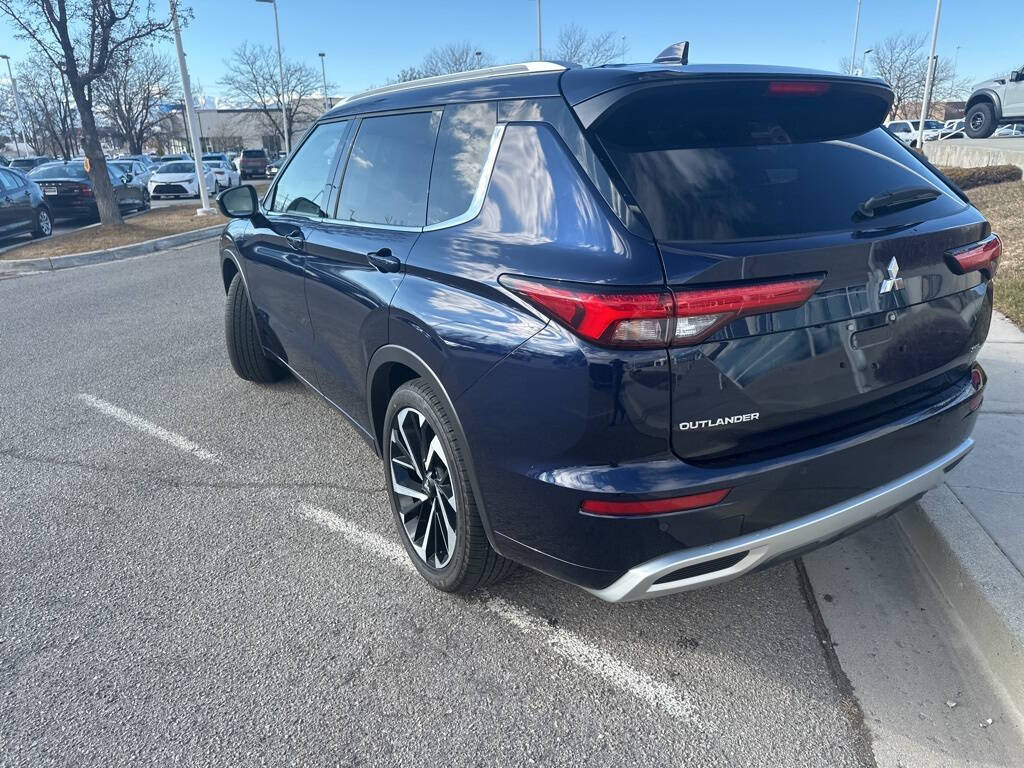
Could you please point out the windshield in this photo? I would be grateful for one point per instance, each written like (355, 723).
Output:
(59, 171)
(932, 124)
(253, 153)
(705, 166)
(177, 168)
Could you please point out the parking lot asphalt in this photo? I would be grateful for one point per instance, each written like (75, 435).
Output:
(231, 589)
(199, 570)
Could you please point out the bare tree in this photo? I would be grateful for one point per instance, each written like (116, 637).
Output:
(902, 60)
(252, 82)
(445, 60)
(82, 38)
(454, 57)
(132, 92)
(577, 45)
(48, 108)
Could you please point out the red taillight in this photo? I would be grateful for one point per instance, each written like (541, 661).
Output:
(700, 312)
(612, 318)
(983, 256)
(658, 318)
(653, 506)
(83, 189)
(797, 88)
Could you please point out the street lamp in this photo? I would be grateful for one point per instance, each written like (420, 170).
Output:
(856, 29)
(929, 78)
(864, 59)
(540, 47)
(17, 102)
(280, 72)
(190, 115)
(323, 71)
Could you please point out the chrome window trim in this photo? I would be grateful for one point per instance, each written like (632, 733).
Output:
(475, 205)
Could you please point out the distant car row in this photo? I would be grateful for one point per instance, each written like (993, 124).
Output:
(907, 130)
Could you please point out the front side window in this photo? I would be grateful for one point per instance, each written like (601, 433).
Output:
(8, 180)
(462, 146)
(301, 187)
(388, 170)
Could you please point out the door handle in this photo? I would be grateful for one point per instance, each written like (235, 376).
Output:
(296, 240)
(384, 261)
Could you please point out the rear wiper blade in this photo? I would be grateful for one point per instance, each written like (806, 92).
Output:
(899, 197)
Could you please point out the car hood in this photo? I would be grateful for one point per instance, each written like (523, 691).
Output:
(993, 83)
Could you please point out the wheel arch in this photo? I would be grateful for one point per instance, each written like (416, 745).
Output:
(984, 96)
(389, 368)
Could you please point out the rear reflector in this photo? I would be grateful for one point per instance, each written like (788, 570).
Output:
(657, 318)
(982, 256)
(652, 506)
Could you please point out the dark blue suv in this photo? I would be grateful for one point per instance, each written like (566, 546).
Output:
(643, 328)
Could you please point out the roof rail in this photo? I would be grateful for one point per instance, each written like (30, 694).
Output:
(460, 77)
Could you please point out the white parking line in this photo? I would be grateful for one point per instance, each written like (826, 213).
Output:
(139, 423)
(565, 643)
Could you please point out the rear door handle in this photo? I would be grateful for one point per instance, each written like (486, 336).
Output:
(296, 240)
(384, 261)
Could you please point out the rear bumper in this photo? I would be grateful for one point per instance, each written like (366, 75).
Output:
(724, 560)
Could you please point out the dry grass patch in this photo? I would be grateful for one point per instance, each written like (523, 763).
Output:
(1003, 205)
(158, 222)
(971, 178)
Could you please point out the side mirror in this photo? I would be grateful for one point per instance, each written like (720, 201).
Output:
(127, 178)
(238, 202)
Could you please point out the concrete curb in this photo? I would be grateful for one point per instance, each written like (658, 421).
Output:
(29, 266)
(977, 578)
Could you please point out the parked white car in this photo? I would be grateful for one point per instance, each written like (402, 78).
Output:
(1014, 129)
(178, 179)
(906, 130)
(224, 175)
(953, 129)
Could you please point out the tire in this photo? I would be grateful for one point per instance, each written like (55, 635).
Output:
(420, 440)
(43, 226)
(244, 348)
(980, 121)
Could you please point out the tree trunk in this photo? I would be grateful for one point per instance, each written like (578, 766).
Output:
(110, 213)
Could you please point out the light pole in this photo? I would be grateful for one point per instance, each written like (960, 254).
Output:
(864, 59)
(929, 77)
(540, 46)
(17, 101)
(190, 115)
(323, 71)
(856, 29)
(280, 72)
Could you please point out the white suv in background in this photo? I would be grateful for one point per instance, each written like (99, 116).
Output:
(906, 130)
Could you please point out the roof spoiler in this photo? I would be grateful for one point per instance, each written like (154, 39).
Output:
(677, 53)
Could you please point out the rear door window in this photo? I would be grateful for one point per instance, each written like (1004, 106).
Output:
(388, 171)
(301, 188)
(736, 162)
(463, 142)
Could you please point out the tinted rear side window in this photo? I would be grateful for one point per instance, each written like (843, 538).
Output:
(462, 145)
(388, 170)
(716, 162)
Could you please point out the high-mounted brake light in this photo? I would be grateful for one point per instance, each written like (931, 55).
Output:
(647, 318)
(653, 506)
(982, 256)
(797, 88)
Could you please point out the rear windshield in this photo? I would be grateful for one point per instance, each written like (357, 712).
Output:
(736, 162)
(253, 153)
(59, 171)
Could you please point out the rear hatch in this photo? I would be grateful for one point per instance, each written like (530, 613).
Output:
(750, 180)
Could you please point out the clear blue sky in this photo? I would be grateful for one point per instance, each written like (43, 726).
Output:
(367, 42)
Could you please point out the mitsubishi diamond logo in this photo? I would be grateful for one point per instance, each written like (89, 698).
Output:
(893, 282)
